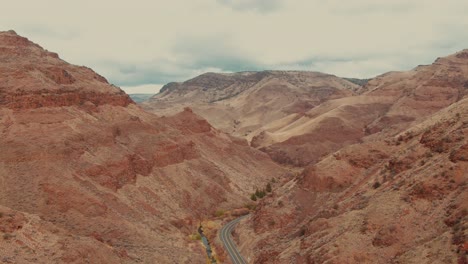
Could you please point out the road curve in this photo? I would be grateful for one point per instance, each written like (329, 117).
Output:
(229, 245)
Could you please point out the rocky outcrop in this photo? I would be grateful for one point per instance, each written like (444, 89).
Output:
(32, 77)
(44, 98)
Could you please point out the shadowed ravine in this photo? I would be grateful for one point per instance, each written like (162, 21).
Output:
(206, 243)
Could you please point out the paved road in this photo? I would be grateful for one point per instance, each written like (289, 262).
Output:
(229, 245)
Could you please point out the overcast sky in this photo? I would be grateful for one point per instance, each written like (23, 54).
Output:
(140, 45)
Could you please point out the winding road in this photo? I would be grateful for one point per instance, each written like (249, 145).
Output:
(229, 245)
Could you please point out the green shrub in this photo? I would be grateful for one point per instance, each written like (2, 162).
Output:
(260, 194)
(253, 197)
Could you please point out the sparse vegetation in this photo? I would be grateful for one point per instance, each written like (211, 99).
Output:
(407, 136)
(253, 197)
(458, 233)
(376, 185)
(367, 130)
(260, 194)
(7, 236)
(250, 206)
(195, 236)
(439, 149)
(219, 213)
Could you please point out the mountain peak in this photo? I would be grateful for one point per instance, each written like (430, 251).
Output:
(11, 39)
(34, 77)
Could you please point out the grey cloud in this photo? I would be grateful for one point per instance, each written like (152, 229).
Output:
(358, 38)
(207, 59)
(375, 7)
(154, 73)
(45, 31)
(453, 37)
(365, 65)
(213, 52)
(129, 74)
(246, 45)
(256, 5)
(192, 56)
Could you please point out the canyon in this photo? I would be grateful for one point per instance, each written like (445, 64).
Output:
(363, 171)
(382, 163)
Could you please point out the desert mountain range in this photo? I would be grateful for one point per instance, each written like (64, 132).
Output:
(285, 114)
(393, 148)
(365, 171)
(398, 195)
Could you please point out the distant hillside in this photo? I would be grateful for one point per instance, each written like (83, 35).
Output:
(138, 98)
(360, 82)
(243, 103)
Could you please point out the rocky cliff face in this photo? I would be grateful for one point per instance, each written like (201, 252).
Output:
(88, 176)
(398, 195)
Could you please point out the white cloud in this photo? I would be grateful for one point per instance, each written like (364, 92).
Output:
(154, 42)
